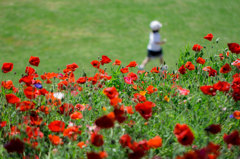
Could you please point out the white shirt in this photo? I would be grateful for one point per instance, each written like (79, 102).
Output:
(153, 39)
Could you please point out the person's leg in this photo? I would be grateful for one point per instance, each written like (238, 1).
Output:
(161, 61)
(145, 61)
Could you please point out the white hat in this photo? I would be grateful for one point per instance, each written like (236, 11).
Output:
(155, 25)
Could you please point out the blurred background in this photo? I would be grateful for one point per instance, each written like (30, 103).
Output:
(61, 32)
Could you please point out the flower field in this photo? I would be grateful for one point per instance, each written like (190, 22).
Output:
(121, 112)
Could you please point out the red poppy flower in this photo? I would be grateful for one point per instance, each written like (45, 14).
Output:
(209, 37)
(145, 109)
(208, 90)
(25, 105)
(7, 67)
(132, 64)
(129, 109)
(94, 155)
(43, 91)
(105, 122)
(82, 80)
(3, 124)
(7, 84)
(133, 76)
(128, 80)
(155, 142)
(63, 85)
(155, 70)
(190, 155)
(201, 60)
(197, 47)
(189, 66)
(76, 115)
(95, 63)
(212, 72)
(12, 99)
(34, 132)
(105, 60)
(221, 57)
(120, 115)
(222, 86)
(225, 68)
(124, 70)
(97, 139)
(27, 80)
(139, 149)
(138, 97)
(233, 138)
(234, 47)
(236, 114)
(72, 132)
(151, 89)
(35, 118)
(30, 71)
(72, 67)
(125, 140)
(55, 140)
(182, 70)
(213, 129)
(236, 95)
(117, 62)
(183, 134)
(31, 92)
(236, 83)
(15, 145)
(179, 128)
(110, 92)
(66, 109)
(56, 126)
(34, 61)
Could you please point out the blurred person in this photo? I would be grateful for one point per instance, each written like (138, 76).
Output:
(154, 48)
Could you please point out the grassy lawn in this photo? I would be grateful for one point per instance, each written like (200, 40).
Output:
(66, 31)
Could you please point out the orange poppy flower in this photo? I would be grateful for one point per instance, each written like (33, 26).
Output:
(55, 140)
(7, 84)
(190, 66)
(151, 89)
(117, 62)
(76, 115)
(236, 114)
(132, 64)
(81, 144)
(155, 142)
(72, 132)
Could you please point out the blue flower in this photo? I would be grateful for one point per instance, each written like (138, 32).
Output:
(231, 116)
(38, 85)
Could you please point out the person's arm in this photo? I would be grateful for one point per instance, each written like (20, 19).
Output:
(161, 42)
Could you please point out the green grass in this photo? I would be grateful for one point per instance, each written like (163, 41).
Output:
(66, 31)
